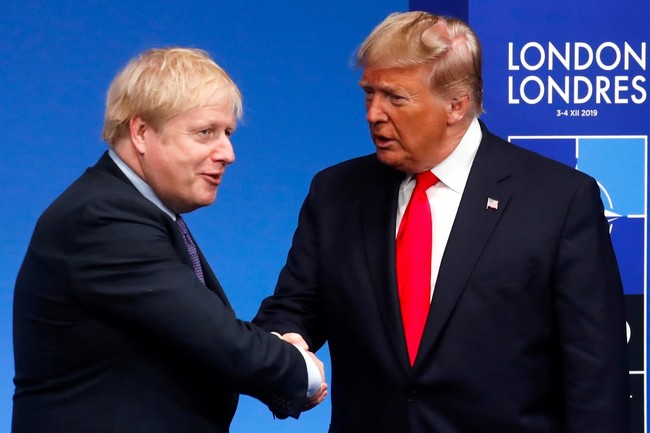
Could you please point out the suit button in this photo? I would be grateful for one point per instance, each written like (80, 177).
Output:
(411, 395)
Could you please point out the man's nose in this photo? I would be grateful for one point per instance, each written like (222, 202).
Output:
(224, 151)
(374, 110)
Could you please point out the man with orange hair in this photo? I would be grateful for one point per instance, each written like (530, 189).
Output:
(464, 285)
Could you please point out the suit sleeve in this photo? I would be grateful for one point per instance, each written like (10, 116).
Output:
(124, 267)
(296, 305)
(590, 315)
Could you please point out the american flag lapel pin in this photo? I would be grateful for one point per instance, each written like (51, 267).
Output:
(492, 204)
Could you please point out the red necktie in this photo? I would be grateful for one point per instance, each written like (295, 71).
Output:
(414, 262)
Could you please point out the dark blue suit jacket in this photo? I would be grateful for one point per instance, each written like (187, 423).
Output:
(113, 332)
(526, 330)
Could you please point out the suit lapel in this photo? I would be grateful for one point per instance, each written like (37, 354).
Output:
(471, 230)
(378, 213)
(178, 243)
(211, 279)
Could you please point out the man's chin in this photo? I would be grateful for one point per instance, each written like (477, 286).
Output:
(389, 158)
(195, 204)
(208, 200)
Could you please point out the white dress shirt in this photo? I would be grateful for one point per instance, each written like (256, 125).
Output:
(444, 197)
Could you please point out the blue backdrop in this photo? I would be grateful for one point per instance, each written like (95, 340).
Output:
(303, 112)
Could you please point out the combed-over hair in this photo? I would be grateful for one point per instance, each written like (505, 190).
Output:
(416, 38)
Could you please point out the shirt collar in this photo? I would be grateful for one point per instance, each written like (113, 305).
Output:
(140, 184)
(453, 171)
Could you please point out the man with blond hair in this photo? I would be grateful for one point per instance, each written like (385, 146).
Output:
(464, 285)
(120, 325)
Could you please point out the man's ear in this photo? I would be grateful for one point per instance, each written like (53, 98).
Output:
(457, 109)
(139, 128)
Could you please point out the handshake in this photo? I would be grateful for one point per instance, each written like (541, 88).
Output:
(315, 395)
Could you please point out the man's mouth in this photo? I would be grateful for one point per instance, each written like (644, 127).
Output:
(213, 178)
(382, 141)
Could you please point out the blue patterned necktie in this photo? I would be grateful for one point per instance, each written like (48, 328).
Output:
(191, 248)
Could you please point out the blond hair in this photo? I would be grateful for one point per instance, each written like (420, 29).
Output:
(416, 38)
(163, 82)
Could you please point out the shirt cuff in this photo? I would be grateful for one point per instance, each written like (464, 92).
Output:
(314, 379)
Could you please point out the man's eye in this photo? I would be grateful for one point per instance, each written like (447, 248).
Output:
(206, 132)
(397, 99)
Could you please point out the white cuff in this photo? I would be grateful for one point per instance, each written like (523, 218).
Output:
(314, 379)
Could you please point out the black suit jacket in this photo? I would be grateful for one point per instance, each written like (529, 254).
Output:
(113, 332)
(525, 332)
